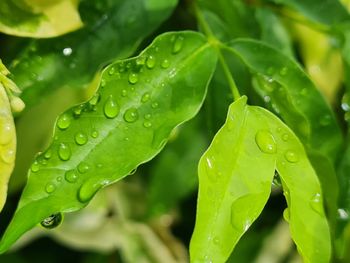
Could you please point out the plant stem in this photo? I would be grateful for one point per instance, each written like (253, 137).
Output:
(217, 45)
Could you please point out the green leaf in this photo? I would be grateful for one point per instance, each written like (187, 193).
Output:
(293, 95)
(127, 122)
(112, 32)
(7, 143)
(30, 21)
(329, 12)
(235, 176)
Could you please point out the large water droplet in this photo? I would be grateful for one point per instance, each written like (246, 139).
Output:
(89, 189)
(81, 138)
(145, 97)
(64, 152)
(316, 203)
(133, 78)
(52, 221)
(178, 43)
(131, 115)
(6, 132)
(50, 188)
(150, 62)
(265, 141)
(64, 121)
(111, 108)
(83, 167)
(291, 156)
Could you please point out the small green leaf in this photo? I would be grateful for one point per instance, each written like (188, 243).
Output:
(30, 21)
(235, 176)
(125, 124)
(295, 97)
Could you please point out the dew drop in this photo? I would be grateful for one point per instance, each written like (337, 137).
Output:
(64, 121)
(165, 63)
(6, 132)
(64, 152)
(78, 109)
(94, 134)
(94, 100)
(67, 51)
(124, 93)
(145, 97)
(147, 116)
(8, 156)
(265, 141)
(131, 115)
(133, 78)
(50, 188)
(316, 204)
(283, 71)
(48, 154)
(111, 71)
(52, 221)
(71, 176)
(83, 167)
(285, 137)
(89, 189)
(103, 83)
(155, 105)
(140, 61)
(81, 138)
(343, 214)
(111, 108)
(178, 43)
(150, 62)
(147, 124)
(291, 156)
(35, 166)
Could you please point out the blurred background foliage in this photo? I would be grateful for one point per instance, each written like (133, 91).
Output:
(149, 217)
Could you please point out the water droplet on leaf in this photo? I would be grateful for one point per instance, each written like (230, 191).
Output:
(165, 63)
(145, 97)
(71, 176)
(265, 141)
(178, 43)
(150, 62)
(50, 188)
(83, 167)
(147, 124)
(35, 166)
(316, 203)
(64, 152)
(52, 221)
(64, 121)
(81, 138)
(131, 115)
(89, 189)
(133, 78)
(111, 108)
(291, 156)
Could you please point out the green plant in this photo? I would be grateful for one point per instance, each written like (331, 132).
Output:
(278, 71)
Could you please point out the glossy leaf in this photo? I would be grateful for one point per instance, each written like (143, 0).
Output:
(233, 192)
(31, 21)
(7, 143)
(112, 31)
(294, 96)
(126, 123)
